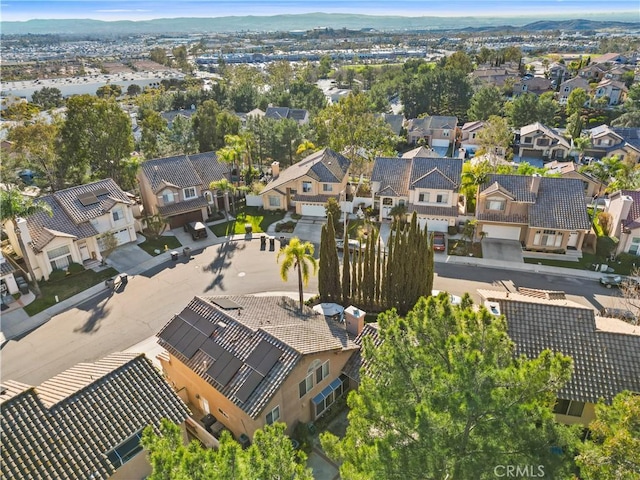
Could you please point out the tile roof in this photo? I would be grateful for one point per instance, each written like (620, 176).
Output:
(240, 330)
(5, 267)
(177, 208)
(629, 135)
(550, 132)
(419, 152)
(299, 197)
(395, 122)
(605, 363)
(279, 113)
(432, 210)
(184, 171)
(106, 191)
(357, 362)
(434, 122)
(558, 203)
(633, 218)
(324, 166)
(66, 427)
(393, 175)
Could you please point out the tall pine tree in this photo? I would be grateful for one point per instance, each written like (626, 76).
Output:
(329, 275)
(346, 272)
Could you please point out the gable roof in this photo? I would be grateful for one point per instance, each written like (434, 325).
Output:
(633, 218)
(605, 363)
(71, 217)
(434, 122)
(550, 132)
(183, 171)
(420, 152)
(246, 347)
(472, 126)
(395, 122)
(67, 427)
(356, 362)
(326, 166)
(631, 135)
(435, 173)
(558, 203)
(279, 113)
(393, 175)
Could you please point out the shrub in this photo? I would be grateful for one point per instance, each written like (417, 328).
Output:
(57, 275)
(296, 216)
(75, 268)
(605, 247)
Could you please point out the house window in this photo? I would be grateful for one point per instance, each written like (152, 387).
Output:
(322, 372)
(167, 196)
(189, 193)
(445, 133)
(442, 198)
(606, 141)
(329, 395)
(273, 416)
(126, 450)
(634, 248)
(543, 142)
(498, 204)
(387, 201)
(473, 136)
(423, 197)
(569, 407)
(547, 238)
(117, 214)
(528, 139)
(274, 201)
(306, 385)
(306, 187)
(326, 187)
(60, 257)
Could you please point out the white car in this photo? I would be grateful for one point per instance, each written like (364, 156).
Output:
(453, 299)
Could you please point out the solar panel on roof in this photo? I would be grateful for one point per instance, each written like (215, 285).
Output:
(205, 326)
(229, 371)
(181, 330)
(249, 385)
(219, 364)
(101, 191)
(189, 337)
(225, 303)
(87, 199)
(170, 329)
(264, 357)
(189, 316)
(213, 349)
(258, 353)
(190, 350)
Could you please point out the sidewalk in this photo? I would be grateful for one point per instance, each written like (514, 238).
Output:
(17, 323)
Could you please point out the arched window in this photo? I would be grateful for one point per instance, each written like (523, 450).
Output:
(167, 196)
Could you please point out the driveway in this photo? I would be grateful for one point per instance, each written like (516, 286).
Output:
(309, 229)
(128, 256)
(505, 250)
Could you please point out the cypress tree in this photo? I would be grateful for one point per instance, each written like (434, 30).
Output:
(346, 272)
(333, 289)
(379, 276)
(323, 273)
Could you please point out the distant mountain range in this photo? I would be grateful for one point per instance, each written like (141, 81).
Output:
(314, 20)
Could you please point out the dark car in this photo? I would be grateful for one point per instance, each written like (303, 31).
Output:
(196, 229)
(439, 242)
(618, 281)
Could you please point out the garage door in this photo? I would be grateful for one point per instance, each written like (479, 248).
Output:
(123, 236)
(434, 224)
(313, 210)
(180, 220)
(501, 232)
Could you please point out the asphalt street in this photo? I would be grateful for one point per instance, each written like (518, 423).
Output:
(115, 321)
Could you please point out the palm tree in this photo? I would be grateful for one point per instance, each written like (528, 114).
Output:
(227, 188)
(298, 255)
(13, 206)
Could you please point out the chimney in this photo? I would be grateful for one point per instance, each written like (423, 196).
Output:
(619, 209)
(535, 182)
(275, 169)
(26, 236)
(354, 319)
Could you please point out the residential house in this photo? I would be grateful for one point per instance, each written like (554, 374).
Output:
(250, 361)
(612, 90)
(618, 72)
(421, 152)
(592, 72)
(592, 186)
(609, 58)
(82, 215)
(569, 86)
(428, 186)
(437, 132)
(497, 76)
(308, 184)
(608, 141)
(543, 213)
(357, 363)
(605, 351)
(469, 137)
(178, 187)
(171, 115)
(8, 285)
(279, 113)
(253, 114)
(624, 207)
(539, 141)
(631, 147)
(395, 122)
(536, 85)
(86, 422)
(558, 73)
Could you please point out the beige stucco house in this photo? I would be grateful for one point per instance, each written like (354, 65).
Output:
(435, 131)
(251, 361)
(624, 207)
(81, 216)
(569, 86)
(607, 141)
(539, 141)
(592, 186)
(542, 213)
(428, 186)
(307, 185)
(178, 187)
(612, 90)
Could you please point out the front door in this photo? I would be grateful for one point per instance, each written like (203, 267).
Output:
(573, 240)
(84, 252)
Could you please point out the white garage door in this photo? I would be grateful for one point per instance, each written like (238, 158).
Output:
(313, 210)
(122, 236)
(434, 224)
(501, 232)
(440, 142)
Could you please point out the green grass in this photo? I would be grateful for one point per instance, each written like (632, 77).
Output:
(259, 219)
(150, 245)
(624, 264)
(67, 287)
(463, 248)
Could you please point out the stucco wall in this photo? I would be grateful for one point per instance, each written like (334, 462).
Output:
(588, 416)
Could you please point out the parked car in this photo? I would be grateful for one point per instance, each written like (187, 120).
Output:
(617, 280)
(439, 242)
(196, 229)
(453, 299)
(353, 245)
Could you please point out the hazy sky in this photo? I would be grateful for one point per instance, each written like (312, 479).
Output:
(12, 10)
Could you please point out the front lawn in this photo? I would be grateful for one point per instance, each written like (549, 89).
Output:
(257, 217)
(67, 287)
(623, 265)
(150, 246)
(463, 248)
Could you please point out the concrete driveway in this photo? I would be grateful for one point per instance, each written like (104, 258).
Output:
(506, 250)
(309, 229)
(126, 257)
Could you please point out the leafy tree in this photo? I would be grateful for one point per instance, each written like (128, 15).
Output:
(14, 205)
(109, 243)
(459, 61)
(155, 225)
(21, 111)
(575, 124)
(329, 265)
(523, 110)
(611, 451)
(48, 98)
(96, 136)
(547, 108)
(205, 126)
(346, 270)
(270, 456)
(576, 101)
(436, 92)
(181, 136)
(494, 135)
(325, 66)
(443, 397)
(486, 102)
(333, 210)
(109, 90)
(153, 142)
(307, 96)
(581, 144)
(134, 90)
(299, 256)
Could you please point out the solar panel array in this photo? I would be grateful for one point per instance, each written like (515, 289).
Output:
(101, 191)
(87, 199)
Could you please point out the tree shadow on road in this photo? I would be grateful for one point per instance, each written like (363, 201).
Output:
(97, 306)
(222, 261)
